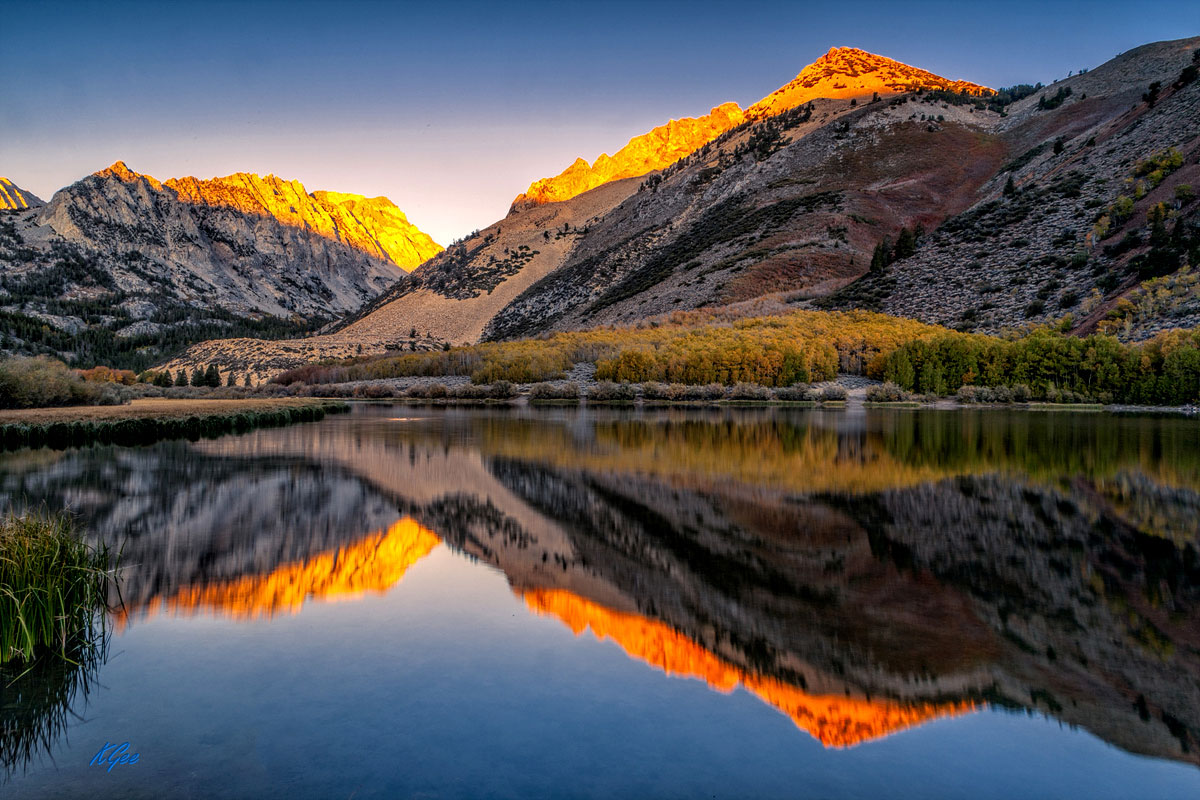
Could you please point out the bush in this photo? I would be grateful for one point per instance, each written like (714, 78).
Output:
(41, 382)
(554, 391)
(749, 391)
(887, 393)
(373, 391)
(429, 391)
(834, 393)
(795, 394)
(609, 392)
(502, 390)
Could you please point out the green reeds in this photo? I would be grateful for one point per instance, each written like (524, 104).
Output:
(53, 587)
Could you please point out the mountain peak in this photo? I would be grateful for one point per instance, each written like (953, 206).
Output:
(119, 170)
(846, 72)
(13, 196)
(123, 173)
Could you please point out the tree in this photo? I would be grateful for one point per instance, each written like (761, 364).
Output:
(229, 381)
(1152, 92)
(197, 377)
(162, 379)
(906, 244)
(882, 255)
(181, 378)
(1058, 146)
(246, 380)
(212, 376)
(1010, 188)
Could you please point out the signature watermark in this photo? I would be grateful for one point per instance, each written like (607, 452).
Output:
(113, 754)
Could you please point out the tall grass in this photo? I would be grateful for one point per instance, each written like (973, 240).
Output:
(54, 587)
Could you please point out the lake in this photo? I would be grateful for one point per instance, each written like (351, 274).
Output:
(411, 601)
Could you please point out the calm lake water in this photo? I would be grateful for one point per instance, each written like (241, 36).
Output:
(419, 602)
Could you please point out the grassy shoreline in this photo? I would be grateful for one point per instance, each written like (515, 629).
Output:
(153, 419)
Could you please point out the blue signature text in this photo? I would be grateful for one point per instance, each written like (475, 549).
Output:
(112, 754)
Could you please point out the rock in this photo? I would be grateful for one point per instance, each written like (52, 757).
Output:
(14, 197)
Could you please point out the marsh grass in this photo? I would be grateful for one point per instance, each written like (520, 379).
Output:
(54, 587)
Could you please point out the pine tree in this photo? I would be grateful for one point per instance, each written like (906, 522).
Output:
(1010, 188)
(906, 244)
(229, 381)
(212, 376)
(197, 377)
(181, 378)
(882, 255)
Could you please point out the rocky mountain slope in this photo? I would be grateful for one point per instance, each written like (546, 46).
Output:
(14, 197)
(372, 225)
(843, 72)
(144, 266)
(791, 210)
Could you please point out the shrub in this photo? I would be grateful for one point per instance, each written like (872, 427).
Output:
(834, 393)
(41, 382)
(609, 392)
(554, 391)
(749, 391)
(887, 393)
(373, 391)
(795, 394)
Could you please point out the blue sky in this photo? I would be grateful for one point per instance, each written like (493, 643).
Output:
(451, 109)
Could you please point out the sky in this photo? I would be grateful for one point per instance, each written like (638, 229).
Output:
(452, 108)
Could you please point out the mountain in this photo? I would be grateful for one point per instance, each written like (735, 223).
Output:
(843, 72)
(790, 210)
(148, 266)
(14, 197)
(372, 225)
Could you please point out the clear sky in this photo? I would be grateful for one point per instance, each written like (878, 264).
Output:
(451, 109)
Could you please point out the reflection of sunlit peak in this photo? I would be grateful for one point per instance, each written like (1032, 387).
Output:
(373, 564)
(834, 720)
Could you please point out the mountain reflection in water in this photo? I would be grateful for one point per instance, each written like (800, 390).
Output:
(861, 573)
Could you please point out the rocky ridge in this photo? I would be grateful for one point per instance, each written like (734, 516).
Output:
(149, 266)
(843, 72)
(15, 198)
(372, 225)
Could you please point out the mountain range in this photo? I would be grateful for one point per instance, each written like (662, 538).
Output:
(863, 182)
(144, 266)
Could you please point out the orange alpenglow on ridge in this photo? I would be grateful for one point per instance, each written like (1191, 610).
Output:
(835, 720)
(843, 72)
(14, 197)
(374, 564)
(664, 145)
(373, 225)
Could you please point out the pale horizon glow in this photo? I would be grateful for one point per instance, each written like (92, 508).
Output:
(452, 111)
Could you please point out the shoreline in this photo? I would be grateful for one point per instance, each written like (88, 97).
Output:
(149, 420)
(523, 400)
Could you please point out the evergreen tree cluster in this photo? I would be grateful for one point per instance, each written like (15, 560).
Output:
(886, 253)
